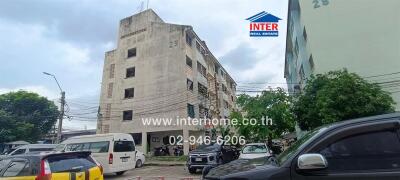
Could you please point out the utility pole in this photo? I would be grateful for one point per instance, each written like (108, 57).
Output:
(61, 115)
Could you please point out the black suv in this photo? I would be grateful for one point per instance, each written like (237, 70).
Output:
(365, 148)
(211, 155)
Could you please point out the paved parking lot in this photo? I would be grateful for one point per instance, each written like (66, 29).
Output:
(157, 173)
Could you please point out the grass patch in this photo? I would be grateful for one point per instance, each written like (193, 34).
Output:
(168, 158)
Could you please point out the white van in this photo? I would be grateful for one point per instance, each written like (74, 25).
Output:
(30, 148)
(114, 151)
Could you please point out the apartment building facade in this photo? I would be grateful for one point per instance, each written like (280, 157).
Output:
(165, 71)
(359, 35)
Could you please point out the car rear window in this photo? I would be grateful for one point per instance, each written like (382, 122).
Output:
(68, 163)
(124, 146)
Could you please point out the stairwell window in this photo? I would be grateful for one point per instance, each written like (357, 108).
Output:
(112, 71)
(131, 52)
(129, 93)
(201, 69)
(189, 84)
(189, 62)
(110, 90)
(190, 110)
(202, 90)
(127, 115)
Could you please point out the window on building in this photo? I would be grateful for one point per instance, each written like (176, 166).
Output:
(112, 70)
(222, 73)
(190, 110)
(203, 112)
(130, 72)
(292, 26)
(216, 68)
(304, 34)
(129, 93)
(224, 88)
(198, 46)
(189, 62)
(202, 89)
(226, 104)
(301, 72)
(127, 115)
(110, 90)
(201, 69)
(311, 61)
(202, 51)
(189, 84)
(108, 112)
(368, 151)
(296, 48)
(189, 39)
(131, 52)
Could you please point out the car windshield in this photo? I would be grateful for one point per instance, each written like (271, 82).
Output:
(257, 148)
(298, 145)
(210, 147)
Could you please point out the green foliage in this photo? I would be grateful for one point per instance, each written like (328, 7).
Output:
(273, 104)
(25, 116)
(337, 96)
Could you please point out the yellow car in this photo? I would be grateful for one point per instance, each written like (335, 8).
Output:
(51, 166)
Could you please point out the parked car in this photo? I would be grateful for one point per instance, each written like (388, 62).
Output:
(140, 159)
(255, 150)
(366, 148)
(51, 166)
(30, 148)
(115, 151)
(211, 155)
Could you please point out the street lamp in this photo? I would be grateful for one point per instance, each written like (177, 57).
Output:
(61, 116)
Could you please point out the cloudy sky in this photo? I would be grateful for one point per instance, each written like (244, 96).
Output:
(69, 37)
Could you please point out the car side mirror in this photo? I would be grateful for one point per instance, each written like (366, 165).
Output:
(312, 162)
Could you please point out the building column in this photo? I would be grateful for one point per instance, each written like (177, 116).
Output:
(185, 141)
(144, 142)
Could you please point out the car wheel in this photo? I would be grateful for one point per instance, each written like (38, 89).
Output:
(139, 163)
(192, 170)
(120, 173)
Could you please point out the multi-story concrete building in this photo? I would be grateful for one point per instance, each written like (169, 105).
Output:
(161, 70)
(360, 35)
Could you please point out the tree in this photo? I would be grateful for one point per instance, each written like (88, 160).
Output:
(25, 116)
(273, 104)
(337, 96)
